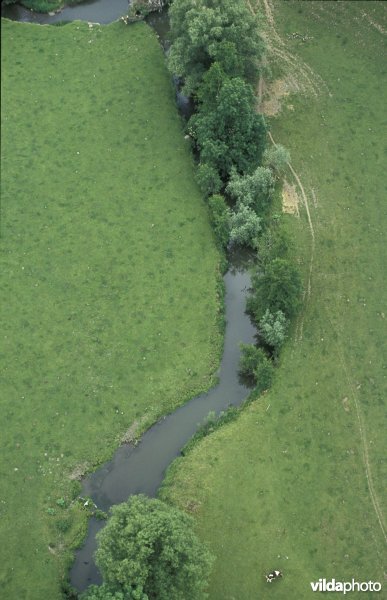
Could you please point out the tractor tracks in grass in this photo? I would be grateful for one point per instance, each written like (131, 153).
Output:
(311, 83)
(300, 76)
(363, 436)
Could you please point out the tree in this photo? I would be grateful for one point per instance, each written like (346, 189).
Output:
(148, 550)
(245, 227)
(253, 190)
(229, 133)
(208, 179)
(255, 365)
(272, 328)
(207, 31)
(277, 288)
(276, 158)
(220, 219)
(273, 243)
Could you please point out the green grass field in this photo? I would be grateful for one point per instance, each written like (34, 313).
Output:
(296, 483)
(110, 305)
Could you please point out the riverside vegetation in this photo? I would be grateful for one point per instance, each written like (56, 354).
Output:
(212, 45)
(296, 481)
(112, 313)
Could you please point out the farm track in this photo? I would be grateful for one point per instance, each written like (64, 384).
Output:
(304, 80)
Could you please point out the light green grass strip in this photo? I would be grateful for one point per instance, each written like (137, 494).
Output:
(109, 273)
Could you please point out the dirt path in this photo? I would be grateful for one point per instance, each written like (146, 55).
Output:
(300, 328)
(301, 76)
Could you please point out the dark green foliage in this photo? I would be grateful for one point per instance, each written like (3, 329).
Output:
(255, 365)
(102, 592)
(230, 134)
(208, 179)
(208, 31)
(273, 243)
(249, 358)
(263, 373)
(220, 219)
(148, 550)
(277, 288)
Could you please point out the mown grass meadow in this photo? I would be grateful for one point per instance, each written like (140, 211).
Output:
(287, 485)
(110, 303)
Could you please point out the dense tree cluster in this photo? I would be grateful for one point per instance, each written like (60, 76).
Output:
(216, 51)
(149, 551)
(205, 32)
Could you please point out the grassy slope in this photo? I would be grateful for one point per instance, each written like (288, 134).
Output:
(285, 486)
(109, 272)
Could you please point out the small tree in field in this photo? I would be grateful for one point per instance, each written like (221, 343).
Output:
(276, 158)
(148, 551)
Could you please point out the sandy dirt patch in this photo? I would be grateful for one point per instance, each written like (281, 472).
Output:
(290, 199)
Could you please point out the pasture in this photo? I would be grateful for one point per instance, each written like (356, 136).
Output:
(110, 275)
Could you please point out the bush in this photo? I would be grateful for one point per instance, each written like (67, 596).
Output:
(276, 158)
(254, 190)
(273, 243)
(149, 550)
(277, 288)
(245, 227)
(220, 219)
(263, 374)
(255, 365)
(272, 328)
(208, 179)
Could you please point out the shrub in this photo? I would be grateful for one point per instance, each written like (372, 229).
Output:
(245, 227)
(149, 550)
(254, 190)
(273, 243)
(263, 373)
(276, 158)
(255, 365)
(220, 219)
(208, 179)
(272, 328)
(277, 288)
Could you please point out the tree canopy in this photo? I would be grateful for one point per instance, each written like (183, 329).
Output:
(230, 134)
(208, 31)
(149, 551)
(277, 289)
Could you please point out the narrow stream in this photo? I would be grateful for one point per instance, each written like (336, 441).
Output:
(141, 468)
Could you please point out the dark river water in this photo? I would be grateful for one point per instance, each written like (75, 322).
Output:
(141, 468)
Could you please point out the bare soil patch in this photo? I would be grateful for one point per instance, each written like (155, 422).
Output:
(290, 199)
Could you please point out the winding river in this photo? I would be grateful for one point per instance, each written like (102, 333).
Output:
(141, 468)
